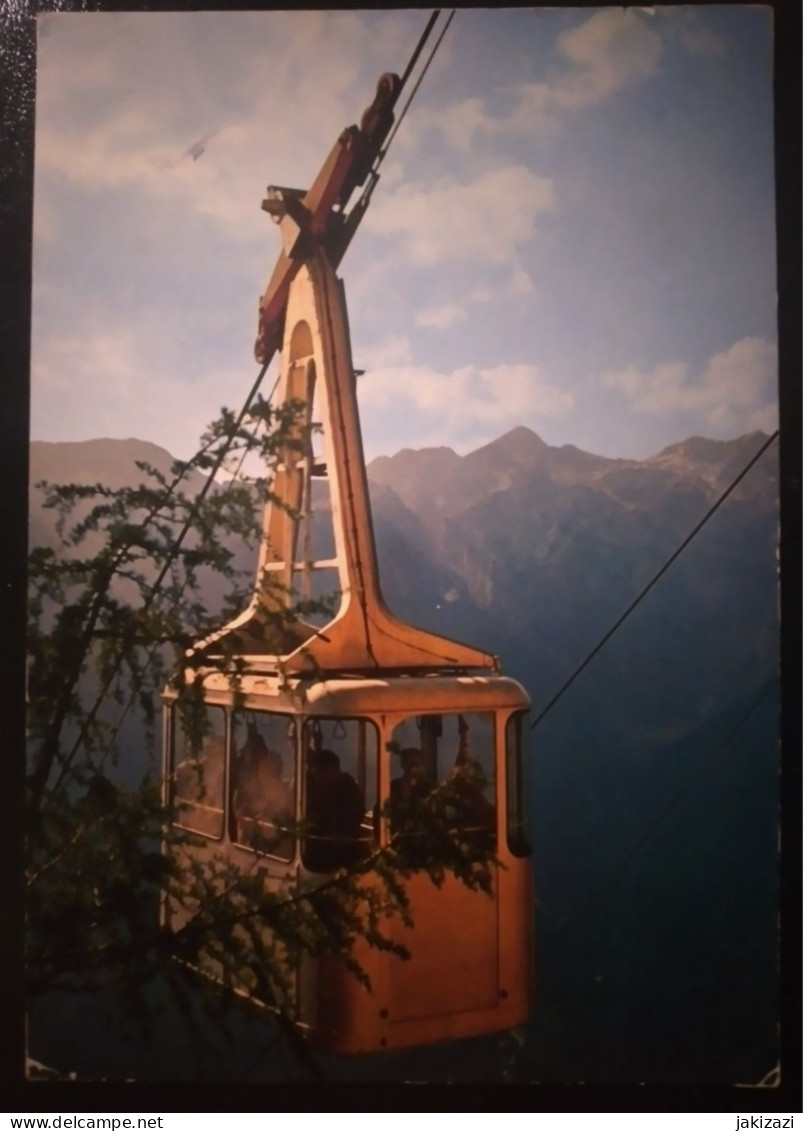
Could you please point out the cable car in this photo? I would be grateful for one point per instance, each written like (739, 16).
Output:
(336, 718)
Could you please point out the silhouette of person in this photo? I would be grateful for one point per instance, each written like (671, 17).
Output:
(260, 794)
(477, 815)
(334, 813)
(408, 791)
(412, 785)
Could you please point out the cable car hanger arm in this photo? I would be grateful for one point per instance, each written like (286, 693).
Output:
(318, 216)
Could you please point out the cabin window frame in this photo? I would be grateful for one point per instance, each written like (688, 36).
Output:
(174, 724)
(231, 785)
(392, 745)
(374, 840)
(518, 838)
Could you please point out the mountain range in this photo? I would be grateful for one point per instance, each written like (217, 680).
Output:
(654, 777)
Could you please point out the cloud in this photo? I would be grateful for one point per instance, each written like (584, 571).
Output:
(67, 363)
(122, 97)
(393, 351)
(611, 50)
(109, 383)
(458, 123)
(121, 157)
(657, 390)
(521, 282)
(486, 219)
(440, 317)
(465, 404)
(702, 41)
(684, 26)
(607, 53)
(736, 391)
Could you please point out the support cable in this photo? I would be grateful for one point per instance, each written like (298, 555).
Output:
(374, 176)
(406, 75)
(572, 678)
(424, 71)
(706, 762)
(246, 449)
(683, 789)
(153, 650)
(66, 762)
(418, 49)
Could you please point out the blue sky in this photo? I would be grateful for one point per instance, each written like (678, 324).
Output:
(573, 230)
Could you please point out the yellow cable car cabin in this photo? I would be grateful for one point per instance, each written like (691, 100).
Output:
(470, 967)
(329, 724)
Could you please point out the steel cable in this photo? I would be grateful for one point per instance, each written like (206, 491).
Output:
(577, 672)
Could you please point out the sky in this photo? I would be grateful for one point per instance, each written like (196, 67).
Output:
(573, 229)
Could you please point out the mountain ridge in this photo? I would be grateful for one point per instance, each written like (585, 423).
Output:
(537, 556)
(523, 443)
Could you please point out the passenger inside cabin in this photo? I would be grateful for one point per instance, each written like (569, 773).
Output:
(474, 814)
(260, 793)
(334, 814)
(407, 792)
(413, 784)
(477, 814)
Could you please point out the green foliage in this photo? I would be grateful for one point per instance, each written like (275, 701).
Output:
(111, 614)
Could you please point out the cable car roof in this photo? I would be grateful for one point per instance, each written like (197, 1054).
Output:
(344, 697)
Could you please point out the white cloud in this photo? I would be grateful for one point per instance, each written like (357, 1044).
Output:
(393, 173)
(122, 97)
(685, 27)
(610, 51)
(736, 391)
(394, 350)
(440, 317)
(465, 403)
(111, 383)
(743, 378)
(68, 363)
(521, 282)
(702, 41)
(657, 390)
(122, 155)
(486, 219)
(765, 419)
(458, 123)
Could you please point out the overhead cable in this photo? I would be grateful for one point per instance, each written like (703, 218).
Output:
(706, 761)
(418, 49)
(574, 676)
(424, 71)
(157, 584)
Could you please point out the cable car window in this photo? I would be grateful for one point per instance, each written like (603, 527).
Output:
(263, 782)
(340, 792)
(517, 794)
(198, 754)
(458, 750)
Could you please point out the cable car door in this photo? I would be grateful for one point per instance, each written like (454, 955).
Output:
(453, 943)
